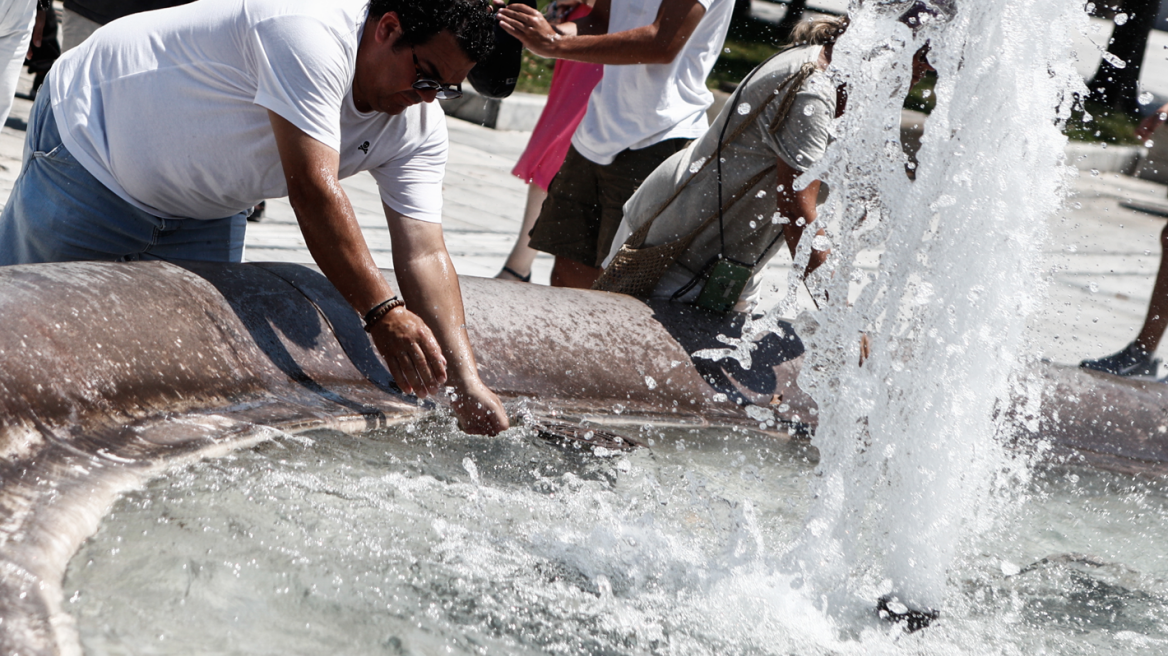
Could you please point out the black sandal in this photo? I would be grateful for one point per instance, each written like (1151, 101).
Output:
(507, 269)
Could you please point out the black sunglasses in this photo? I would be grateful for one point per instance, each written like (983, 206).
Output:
(423, 83)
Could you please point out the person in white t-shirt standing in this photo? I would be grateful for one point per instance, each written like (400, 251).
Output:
(153, 138)
(21, 23)
(650, 103)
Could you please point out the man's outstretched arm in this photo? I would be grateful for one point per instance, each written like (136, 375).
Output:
(430, 289)
(334, 239)
(656, 43)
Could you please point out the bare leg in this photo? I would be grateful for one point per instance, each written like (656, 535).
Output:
(1157, 319)
(521, 256)
(569, 273)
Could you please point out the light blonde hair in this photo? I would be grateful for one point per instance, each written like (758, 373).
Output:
(819, 32)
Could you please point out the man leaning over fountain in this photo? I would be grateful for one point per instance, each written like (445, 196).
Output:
(153, 138)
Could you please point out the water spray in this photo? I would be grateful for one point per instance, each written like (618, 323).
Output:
(910, 442)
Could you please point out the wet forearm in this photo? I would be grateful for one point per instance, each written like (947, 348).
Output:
(430, 288)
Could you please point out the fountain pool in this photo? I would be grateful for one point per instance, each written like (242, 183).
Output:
(418, 539)
(422, 540)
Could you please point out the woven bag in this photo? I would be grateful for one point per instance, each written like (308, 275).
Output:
(636, 269)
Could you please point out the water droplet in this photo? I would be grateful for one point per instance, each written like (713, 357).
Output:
(1115, 62)
(471, 469)
(697, 165)
(1120, 19)
(808, 110)
(800, 222)
(727, 51)
(753, 225)
(779, 218)
(1093, 287)
(650, 383)
(1149, 143)
(945, 200)
(744, 108)
(1145, 97)
(926, 93)
(761, 194)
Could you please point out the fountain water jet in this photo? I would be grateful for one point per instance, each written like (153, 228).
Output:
(911, 441)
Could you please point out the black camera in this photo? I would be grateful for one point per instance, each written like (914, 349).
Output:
(496, 75)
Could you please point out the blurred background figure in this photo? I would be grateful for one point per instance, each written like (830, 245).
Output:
(81, 18)
(1136, 359)
(17, 19)
(650, 102)
(572, 83)
(42, 55)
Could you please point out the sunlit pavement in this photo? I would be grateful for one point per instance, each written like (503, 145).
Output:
(1102, 257)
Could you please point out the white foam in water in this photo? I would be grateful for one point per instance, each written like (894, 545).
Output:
(422, 540)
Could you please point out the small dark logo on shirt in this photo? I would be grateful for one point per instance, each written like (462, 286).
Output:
(364, 148)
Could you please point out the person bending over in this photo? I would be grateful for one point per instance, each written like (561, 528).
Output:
(153, 138)
(773, 129)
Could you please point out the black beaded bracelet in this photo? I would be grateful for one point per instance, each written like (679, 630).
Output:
(44, 5)
(380, 310)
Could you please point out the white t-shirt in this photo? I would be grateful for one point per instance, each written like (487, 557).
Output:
(636, 106)
(169, 108)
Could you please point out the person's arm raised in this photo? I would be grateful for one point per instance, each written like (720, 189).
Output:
(656, 43)
(430, 288)
(798, 207)
(335, 241)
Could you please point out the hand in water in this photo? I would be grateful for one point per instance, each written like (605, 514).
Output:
(411, 352)
(478, 410)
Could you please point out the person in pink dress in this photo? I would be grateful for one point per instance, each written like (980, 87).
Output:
(572, 83)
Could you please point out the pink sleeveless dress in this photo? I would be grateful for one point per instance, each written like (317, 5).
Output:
(572, 83)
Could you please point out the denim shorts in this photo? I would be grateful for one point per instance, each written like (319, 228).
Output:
(58, 212)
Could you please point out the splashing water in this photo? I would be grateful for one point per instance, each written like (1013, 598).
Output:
(910, 441)
(423, 540)
(912, 464)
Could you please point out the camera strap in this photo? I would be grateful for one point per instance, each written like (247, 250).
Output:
(792, 84)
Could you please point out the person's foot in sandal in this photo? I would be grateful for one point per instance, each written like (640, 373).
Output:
(511, 274)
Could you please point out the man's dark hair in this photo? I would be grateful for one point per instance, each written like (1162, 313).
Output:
(472, 22)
